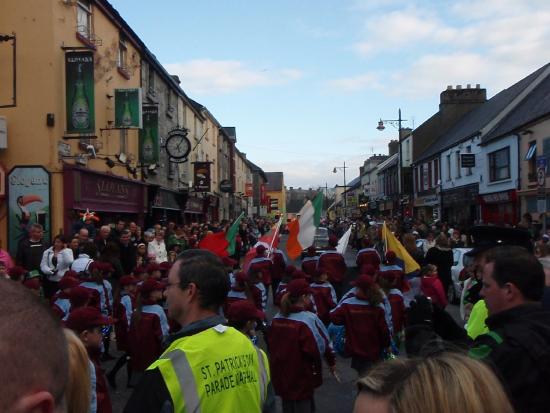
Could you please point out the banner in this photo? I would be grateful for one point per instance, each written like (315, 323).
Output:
(29, 203)
(128, 108)
(149, 136)
(202, 176)
(79, 89)
(263, 195)
(248, 189)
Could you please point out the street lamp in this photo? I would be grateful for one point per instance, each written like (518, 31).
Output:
(381, 127)
(345, 196)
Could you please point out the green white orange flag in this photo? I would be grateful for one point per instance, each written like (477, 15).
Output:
(231, 235)
(302, 230)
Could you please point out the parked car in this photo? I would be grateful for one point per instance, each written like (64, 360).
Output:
(320, 241)
(460, 260)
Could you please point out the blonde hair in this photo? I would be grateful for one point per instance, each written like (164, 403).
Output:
(448, 382)
(78, 391)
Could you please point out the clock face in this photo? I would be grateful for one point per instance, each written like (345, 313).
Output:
(178, 146)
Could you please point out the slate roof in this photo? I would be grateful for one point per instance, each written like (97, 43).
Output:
(471, 124)
(274, 181)
(388, 163)
(535, 106)
(256, 168)
(354, 184)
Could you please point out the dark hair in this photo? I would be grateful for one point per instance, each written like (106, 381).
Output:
(61, 238)
(515, 265)
(90, 249)
(206, 271)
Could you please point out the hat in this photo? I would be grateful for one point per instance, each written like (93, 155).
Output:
(153, 267)
(486, 237)
(71, 274)
(140, 244)
(68, 282)
(260, 249)
(165, 266)
(241, 278)
(390, 256)
(79, 296)
(300, 275)
(32, 284)
(290, 269)
(333, 240)
(84, 318)
(150, 285)
(108, 267)
(140, 270)
(363, 282)
(17, 272)
(298, 287)
(244, 310)
(127, 280)
(311, 251)
(96, 266)
(368, 269)
(229, 262)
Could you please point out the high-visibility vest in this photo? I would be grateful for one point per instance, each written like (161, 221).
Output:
(216, 370)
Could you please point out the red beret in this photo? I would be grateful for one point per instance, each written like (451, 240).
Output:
(363, 282)
(390, 256)
(299, 287)
(68, 282)
(128, 280)
(17, 272)
(84, 318)
(333, 240)
(290, 269)
(71, 273)
(241, 278)
(165, 266)
(153, 267)
(79, 296)
(260, 249)
(300, 275)
(32, 283)
(140, 270)
(150, 285)
(244, 310)
(368, 269)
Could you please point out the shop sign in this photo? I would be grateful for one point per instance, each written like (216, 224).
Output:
(149, 136)
(248, 189)
(79, 87)
(194, 205)
(202, 176)
(128, 108)
(29, 203)
(468, 160)
(263, 195)
(166, 200)
(427, 201)
(225, 186)
(497, 197)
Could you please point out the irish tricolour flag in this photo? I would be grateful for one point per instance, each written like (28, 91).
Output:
(302, 230)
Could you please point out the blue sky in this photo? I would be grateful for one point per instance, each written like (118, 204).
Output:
(305, 82)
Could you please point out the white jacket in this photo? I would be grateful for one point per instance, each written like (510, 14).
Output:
(64, 260)
(158, 250)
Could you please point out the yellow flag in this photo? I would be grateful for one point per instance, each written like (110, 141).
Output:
(393, 244)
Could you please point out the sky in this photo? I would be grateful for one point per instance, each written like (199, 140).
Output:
(305, 82)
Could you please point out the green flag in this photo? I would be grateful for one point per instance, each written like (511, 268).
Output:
(231, 234)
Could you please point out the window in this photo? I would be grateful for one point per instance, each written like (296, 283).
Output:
(151, 81)
(429, 175)
(123, 141)
(122, 53)
(436, 172)
(458, 164)
(448, 167)
(468, 170)
(531, 157)
(417, 189)
(499, 165)
(84, 18)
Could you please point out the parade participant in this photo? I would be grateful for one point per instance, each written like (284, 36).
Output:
(387, 283)
(61, 306)
(197, 289)
(244, 316)
(141, 274)
(30, 250)
(85, 258)
(298, 341)
(257, 289)
(310, 261)
(148, 327)
(281, 288)
(432, 287)
(17, 274)
(56, 260)
(263, 265)
(81, 297)
(334, 264)
(153, 269)
(324, 295)
(391, 266)
(123, 308)
(239, 291)
(78, 393)
(368, 255)
(367, 332)
(33, 354)
(87, 323)
(34, 285)
(447, 382)
(157, 248)
(4, 271)
(278, 269)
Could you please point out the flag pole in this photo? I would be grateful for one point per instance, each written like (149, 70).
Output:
(273, 238)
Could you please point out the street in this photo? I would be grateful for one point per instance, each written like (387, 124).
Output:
(331, 397)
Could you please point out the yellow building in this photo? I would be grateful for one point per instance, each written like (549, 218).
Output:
(275, 190)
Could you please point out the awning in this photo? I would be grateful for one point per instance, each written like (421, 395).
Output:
(531, 151)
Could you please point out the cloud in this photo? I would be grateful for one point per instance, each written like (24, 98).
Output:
(356, 83)
(208, 76)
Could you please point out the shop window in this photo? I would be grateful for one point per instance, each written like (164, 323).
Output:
(84, 18)
(499, 165)
(531, 158)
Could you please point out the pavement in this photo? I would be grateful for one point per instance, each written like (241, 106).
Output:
(331, 397)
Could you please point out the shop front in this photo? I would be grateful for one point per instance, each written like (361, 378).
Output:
(110, 197)
(194, 210)
(427, 207)
(499, 208)
(165, 205)
(460, 205)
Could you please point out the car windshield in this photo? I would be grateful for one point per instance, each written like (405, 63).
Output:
(321, 237)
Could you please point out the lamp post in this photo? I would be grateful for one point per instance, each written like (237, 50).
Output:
(345, 196)
(381, 127)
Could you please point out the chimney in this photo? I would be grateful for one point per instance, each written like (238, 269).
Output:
(176, 78)
(393, 147)
(450, 97)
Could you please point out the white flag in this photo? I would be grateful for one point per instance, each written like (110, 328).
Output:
(343, 242)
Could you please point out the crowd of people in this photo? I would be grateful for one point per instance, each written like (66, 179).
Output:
(193, 330)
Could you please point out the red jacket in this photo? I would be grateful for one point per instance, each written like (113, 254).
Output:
(325, 300)
(263, 265)
(367, 333)
(431, 287)
(309, 265)
(279, 265)
(368, 256)
(334, 264)
(297, 343)
(397, 304)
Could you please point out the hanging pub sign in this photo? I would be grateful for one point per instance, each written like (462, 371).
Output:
(263, 195)
(248, 189)
(128, 108)
(149, 136)
(79, 87)
(29, 203)
(202, 176)
(226, 186)
(468, 160)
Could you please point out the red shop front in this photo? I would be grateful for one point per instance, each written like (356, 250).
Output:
(111, 197)
(499, 208)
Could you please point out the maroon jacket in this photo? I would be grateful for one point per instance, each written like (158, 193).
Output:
(367, 333)
(145, 339)
(395, 297)
(309, 265)
(263, 265)
(334, 265)
(279, 265)
(368, 256)
(122, 323)
(102, 397)
(325, 300)
(297, 343)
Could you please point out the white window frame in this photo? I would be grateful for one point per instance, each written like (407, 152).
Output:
(84, 15)
(122, 58)
(458, 166)
(448, 157)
